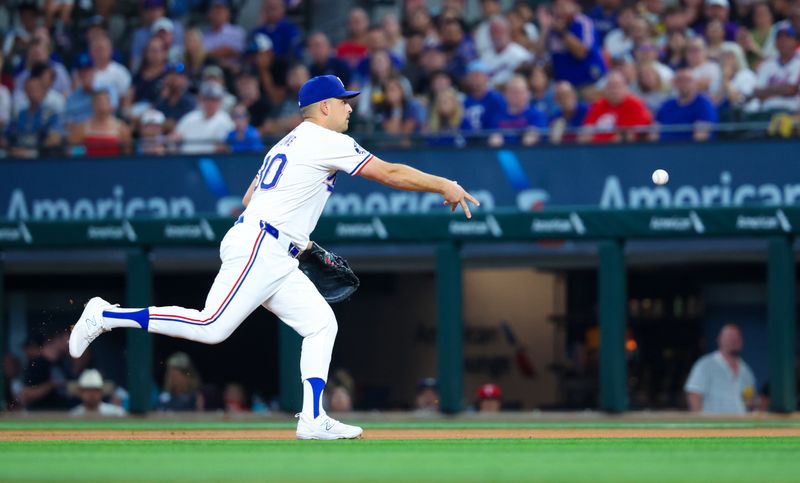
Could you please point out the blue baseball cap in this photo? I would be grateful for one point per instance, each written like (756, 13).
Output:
(787, 29)
(323, 87)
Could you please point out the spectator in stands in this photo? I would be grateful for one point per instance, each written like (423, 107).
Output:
(617, 116)
(19, 39)
(354, 48)
(235, 398)
(674, 55)
(395, 41)
(90, 387)
(542, 93)
(249, 95)
(523, 31)
(505, 56)
(53, 100)
(687, 108)
(37, 126)
(738, 81)
(204, 130)
(490, 10)
(427, 400)
(323, 62)
(144, 92)
(421, 22)
(165, 30)
(647, 55)
(152, 139)
(754, 41)
(715, 38)
(481, 104)
(284, 34)
(270, 70)
(489, 398)
(175, 101)
(376, 44)
(43, 382)
(619, 41)
(381, 70)
(244, 138)
(569, 115)
(399, 113)
(153, 21)
(446, 113)
(457, 47)
(650, 87)
(569, 37)
(779, 77)
(413, 69)
(181, 385)
(604, 16)
(106, 70)
(721, 382)
(195, 57)
(215, 75)
(706, 72)
(79, 103)
(39, 53)
(103, 134)
(223, 40)
(719, 10)
(520, 122)
(286, 116)
(790, 19)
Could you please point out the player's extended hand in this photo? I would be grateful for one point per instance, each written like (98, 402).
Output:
(455, 195)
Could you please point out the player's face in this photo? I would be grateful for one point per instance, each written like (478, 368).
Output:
(339, 114)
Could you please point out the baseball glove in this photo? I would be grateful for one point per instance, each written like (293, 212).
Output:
(329, 272)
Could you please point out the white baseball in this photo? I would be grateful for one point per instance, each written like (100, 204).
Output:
(660, 177)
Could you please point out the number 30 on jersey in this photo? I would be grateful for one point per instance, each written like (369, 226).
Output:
(271, 171)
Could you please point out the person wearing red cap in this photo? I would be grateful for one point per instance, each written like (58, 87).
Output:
(489, 398)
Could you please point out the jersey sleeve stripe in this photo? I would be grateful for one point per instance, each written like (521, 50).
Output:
(361, 165)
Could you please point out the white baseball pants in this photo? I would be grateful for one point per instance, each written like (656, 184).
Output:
(256, 270)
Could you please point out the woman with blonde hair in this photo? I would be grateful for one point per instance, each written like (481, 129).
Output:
(444, 119)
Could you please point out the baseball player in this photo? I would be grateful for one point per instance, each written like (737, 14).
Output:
(259, 265)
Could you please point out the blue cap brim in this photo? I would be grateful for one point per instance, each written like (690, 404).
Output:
(349, 94)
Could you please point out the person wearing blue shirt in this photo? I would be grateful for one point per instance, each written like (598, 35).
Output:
(244, 138)
(519, 123)
(568, 116)
(285, 36)
(604, 17)
(481, 105)
(37, 129)
(573, 45)
(322, 60)
(687, 108)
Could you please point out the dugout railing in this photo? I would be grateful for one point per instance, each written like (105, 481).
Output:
(608, 229)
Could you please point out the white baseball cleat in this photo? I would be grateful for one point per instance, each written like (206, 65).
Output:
(325, 427)
(88, 327)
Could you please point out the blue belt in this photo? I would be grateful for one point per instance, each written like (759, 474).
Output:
(267, 227)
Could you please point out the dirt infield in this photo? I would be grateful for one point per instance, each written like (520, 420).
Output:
(390, 434)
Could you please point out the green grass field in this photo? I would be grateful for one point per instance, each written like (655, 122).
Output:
(755, 459)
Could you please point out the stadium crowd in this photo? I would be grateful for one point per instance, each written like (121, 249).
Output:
(185, 78)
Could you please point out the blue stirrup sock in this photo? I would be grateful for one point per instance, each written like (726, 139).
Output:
(132, 318)
(312, 396)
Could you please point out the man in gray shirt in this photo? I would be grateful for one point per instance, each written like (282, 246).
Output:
(721, 382)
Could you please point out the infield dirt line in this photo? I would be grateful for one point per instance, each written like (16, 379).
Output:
(390, 434)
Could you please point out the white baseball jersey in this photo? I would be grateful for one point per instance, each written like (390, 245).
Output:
(297, 178)
(773, 73)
